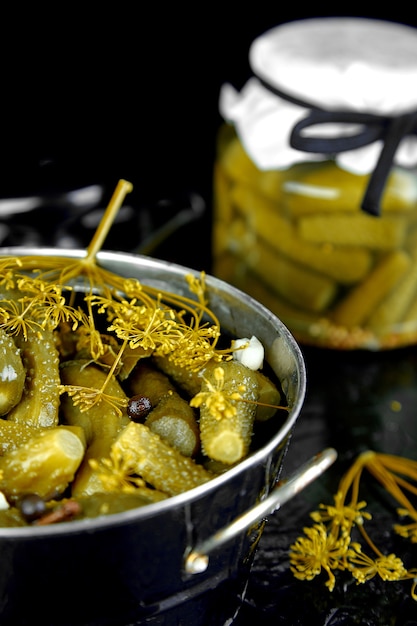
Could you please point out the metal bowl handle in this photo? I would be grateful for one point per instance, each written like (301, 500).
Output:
(197, 559)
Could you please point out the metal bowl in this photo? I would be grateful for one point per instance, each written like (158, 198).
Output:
(184, 560)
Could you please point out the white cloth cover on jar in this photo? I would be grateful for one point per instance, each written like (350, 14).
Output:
(335, 64)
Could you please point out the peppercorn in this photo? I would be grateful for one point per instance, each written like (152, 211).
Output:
(31, 507)
(138, 408)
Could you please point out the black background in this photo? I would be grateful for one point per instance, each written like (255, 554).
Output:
(99, 93)
(129, 90)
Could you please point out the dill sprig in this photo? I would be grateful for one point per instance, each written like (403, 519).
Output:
(37, 292)
(220, 404)
(328, 545)
(117, 472)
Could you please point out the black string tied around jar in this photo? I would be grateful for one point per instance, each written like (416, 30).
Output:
(390, 129)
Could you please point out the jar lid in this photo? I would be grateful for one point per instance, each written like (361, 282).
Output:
(341, 62)
(353, 78)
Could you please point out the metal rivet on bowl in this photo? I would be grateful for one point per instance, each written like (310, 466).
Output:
(196, 563)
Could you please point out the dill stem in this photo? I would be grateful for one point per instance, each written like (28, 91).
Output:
(123, 187)
(114, 365)
(354, 470)
(399, 465)
(189, 304)
(355, 487)
(406, 485)
(270, 406)
(369, 540)
(389, 482)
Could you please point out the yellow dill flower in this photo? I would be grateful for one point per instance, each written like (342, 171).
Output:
(55, 310)
(15, 318)
(408, 531)
(193, 349)
(42, 294)
(197, 285)
(318, 551)
(341, 514)
(387, 567)
(217, 402)
(87, 397)
(88, 337)
(7, 272)
(337, 522)
(146, 327)
(132, 287)
(37, 287)
(116, 472)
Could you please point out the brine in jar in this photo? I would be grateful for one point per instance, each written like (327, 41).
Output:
(297, 240)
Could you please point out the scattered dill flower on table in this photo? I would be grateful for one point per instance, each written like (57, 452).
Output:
(338, 539)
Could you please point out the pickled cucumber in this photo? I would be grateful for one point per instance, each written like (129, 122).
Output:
(356, 308)
(44, 465)
(117, 501)
(346, 264)
(297, 284)
(238, 167)
(12, 374)
(226, 433)
(67, 441)
(158, 463)
(101, 422)
(171, 417)
(15, 434)
(385, 233)
(39, 404)
(102, 419)
(325, 187)
(281, 242)
(175, 422)
(268, 398)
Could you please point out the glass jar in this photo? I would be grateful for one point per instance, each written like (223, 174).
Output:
(296, 238)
